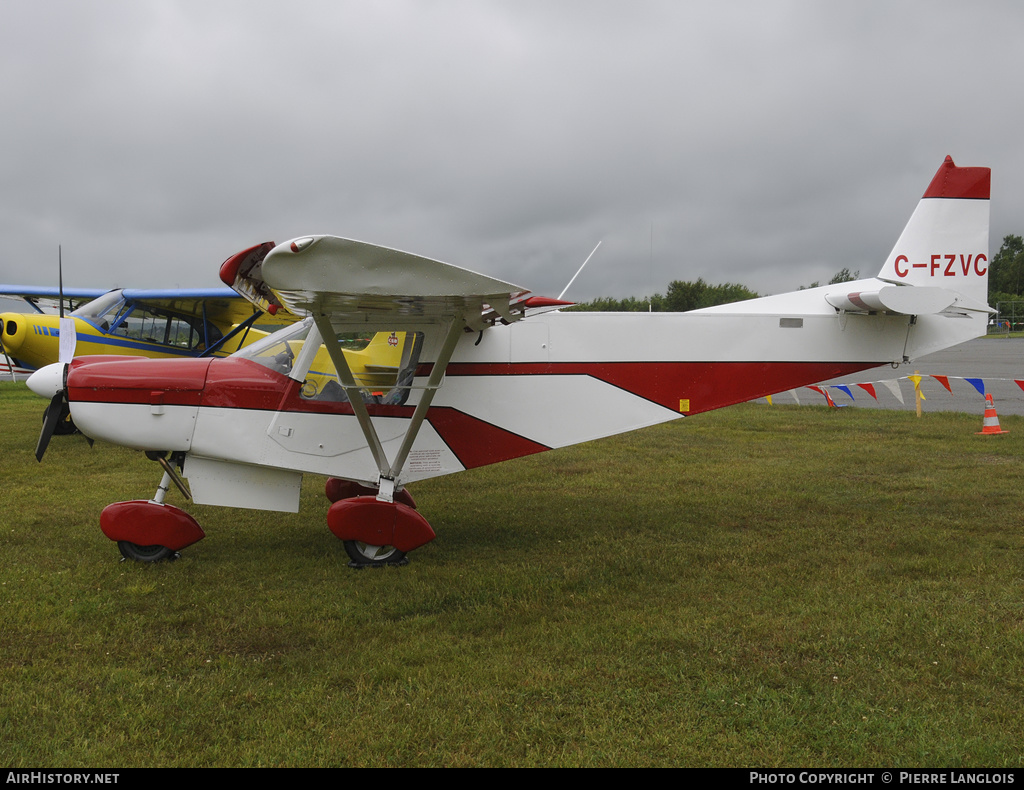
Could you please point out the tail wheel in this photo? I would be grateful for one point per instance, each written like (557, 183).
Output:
(367, 555)
(133, 551)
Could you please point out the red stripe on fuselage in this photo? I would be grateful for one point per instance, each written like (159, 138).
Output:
(706, 385)
(478, 443)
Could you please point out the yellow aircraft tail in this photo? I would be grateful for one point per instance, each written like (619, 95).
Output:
(377, 365)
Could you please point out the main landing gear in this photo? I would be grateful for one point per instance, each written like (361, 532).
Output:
(375, 533)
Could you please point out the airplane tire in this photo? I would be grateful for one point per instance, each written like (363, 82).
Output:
(363, 555)
(133, 551)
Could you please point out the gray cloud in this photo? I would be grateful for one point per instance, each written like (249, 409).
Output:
(766, 143)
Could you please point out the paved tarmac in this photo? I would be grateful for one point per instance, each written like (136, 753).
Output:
(997, 361)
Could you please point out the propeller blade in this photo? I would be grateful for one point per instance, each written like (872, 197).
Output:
(60, 282)
(67, 341)
(68, 335)
(54, 414)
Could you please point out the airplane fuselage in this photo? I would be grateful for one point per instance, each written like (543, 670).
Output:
(579, 371)
(465, 370)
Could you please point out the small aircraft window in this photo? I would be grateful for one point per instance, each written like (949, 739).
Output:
(383, 366)
(166, 329)
(100, 310)
(278, 351)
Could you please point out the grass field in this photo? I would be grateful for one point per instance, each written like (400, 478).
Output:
(760, 586)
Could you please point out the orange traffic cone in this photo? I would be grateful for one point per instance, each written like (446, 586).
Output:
(991, 423)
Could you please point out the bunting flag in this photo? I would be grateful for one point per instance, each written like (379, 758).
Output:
(870, 390)
(893, 385)
(1019, 383)
(820, 391)
(917, 386)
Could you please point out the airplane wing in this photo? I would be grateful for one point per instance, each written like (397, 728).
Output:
(345, 283)
(355, 282)
(48, 297)
(223, 306)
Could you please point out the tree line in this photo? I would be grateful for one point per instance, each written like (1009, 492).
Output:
(683, 295)
(1005, 284)
(1006, 272)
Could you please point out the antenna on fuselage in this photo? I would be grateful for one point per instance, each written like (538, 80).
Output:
(650, 272)
(578, 271)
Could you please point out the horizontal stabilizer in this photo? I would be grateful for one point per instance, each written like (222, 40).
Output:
(902, 300)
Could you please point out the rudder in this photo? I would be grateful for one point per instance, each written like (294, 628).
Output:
(945, 243)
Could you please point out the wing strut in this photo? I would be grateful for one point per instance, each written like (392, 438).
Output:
(389, 471)
(355, 397)
(436, 375)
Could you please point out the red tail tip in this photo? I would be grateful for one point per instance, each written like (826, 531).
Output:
(972, 183)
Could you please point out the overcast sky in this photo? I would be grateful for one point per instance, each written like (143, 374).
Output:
(766, 143)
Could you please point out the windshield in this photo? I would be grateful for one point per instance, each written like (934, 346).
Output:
(100, 306)
(267, 348)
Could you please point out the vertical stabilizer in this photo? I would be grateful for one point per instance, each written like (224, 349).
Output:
(945, 244)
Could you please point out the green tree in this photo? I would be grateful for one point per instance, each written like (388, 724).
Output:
(1006, 271)
(841, 276)
(682, 295)
(844, 276)
(631, 304)
(685, 295)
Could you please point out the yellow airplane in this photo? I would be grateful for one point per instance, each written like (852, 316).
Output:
(132, 322)
(176, 323)
(169, 323)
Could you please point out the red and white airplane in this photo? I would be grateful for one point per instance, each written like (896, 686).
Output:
(487, 373)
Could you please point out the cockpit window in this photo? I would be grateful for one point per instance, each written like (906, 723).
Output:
(383, 364)
(101, 307)
(111, 313)
(167, 329)
(278, 351)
